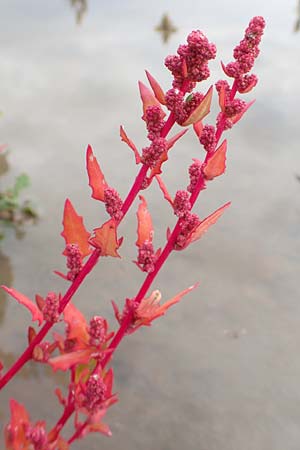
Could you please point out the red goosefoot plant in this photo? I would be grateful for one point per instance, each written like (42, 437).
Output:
(85, 350)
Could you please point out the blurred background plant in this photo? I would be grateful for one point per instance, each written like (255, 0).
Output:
(14, 210)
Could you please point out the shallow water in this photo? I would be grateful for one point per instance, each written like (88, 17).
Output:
(221, 370)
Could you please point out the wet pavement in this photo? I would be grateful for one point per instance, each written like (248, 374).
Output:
(221, 370)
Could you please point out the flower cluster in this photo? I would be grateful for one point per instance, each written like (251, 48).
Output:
(146, 257)
(190, 65)
(245, 54)
(113, 203)
(51, 306)
(74, 260)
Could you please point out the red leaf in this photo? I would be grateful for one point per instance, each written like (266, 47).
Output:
(216, 164)
(96, 178)
(40, 302)
(164, 189)
(74, 231)
(21, 298)
(31, 333)
(105, 238)
(207, 223)
(15, 431)
(145, 227)
(202, 110)
(126, 139)
(158, 92)
(67, 360)
(148, 98)
(76, 324)
(198, 127)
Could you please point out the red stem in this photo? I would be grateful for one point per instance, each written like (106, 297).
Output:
(27, 354)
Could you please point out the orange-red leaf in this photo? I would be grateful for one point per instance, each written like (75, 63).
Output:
(198, 127)
(67, 360)
(164, 189)
(129, 142)
(105, 238)
(74, 231)
(96, 178)
(158, 92)
(145, 227)
(216, 164)
(202, 109)
(21, 298)
(76, 324)
(208, 222)
(148, 98)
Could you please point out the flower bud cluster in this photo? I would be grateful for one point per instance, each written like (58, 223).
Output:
(95, 393)
(154, 121)
(113, 203)
(146, 257)
(195, 170)
(37, 436)
(50, 310)
(208, 138)
(181, 108)
(181, 203)
(245, 54)
(97, 330)
(74, 260)
(188, 224)
(190, 65)
(151, 154)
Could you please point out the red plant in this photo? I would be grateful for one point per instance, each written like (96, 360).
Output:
(86, 348)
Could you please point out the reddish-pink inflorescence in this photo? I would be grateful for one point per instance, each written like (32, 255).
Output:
(146, 257)
(154, 121)
(208, 138)
(37, 436)
(151, 154)
(113, 203)
(181, 203)
(188, 224)
(245, 54)
(74, 260)
(51, 308)
(195, 171)
(95, 393)
(97, 330)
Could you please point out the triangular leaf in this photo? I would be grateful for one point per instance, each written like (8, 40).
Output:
(202, 109)
(148, 98)
(158, 92)
(126, 139)
(76, 324)
(105, 238)
(21, 298)
(145, 227)
(74, 231)
(207, 223)
(198, 127)
(216, 164)
(96, 178)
